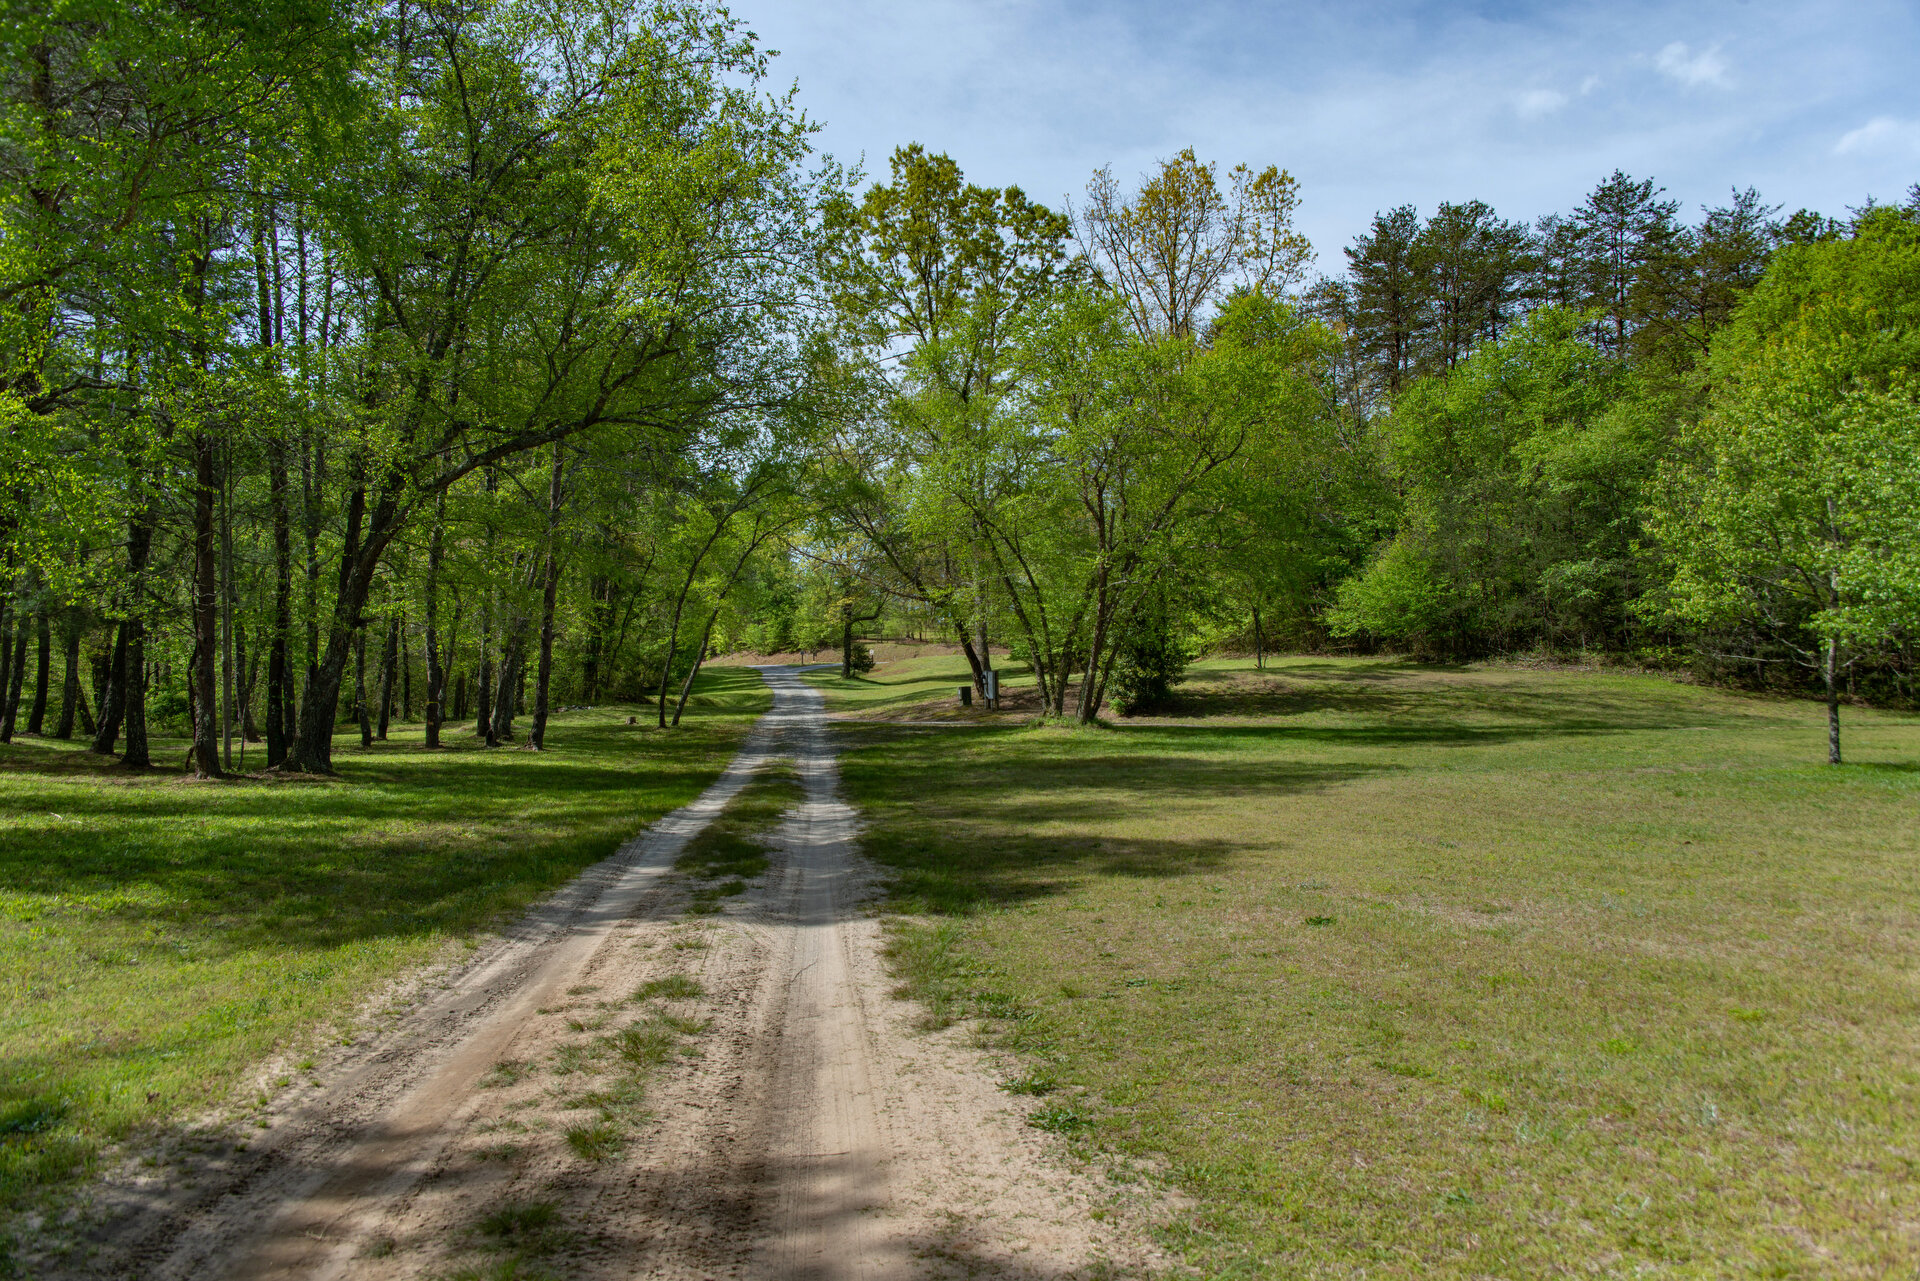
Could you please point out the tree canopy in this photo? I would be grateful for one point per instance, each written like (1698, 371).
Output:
(527, 344)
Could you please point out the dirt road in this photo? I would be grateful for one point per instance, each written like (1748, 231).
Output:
(622, 1088)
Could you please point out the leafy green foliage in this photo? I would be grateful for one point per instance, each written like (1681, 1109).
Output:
(1792, 508)
(1522, 473)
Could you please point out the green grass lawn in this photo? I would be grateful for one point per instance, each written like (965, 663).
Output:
(159, 936)
(908, 682)
(924, 688)
(1400, 971)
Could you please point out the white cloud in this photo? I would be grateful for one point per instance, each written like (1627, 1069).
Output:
(1535, 103)
(1678, 63)
(1368, 105)
(1882, 135)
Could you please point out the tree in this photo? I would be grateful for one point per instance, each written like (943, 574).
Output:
(1128, 456)
(919, 257)
(1388, 294)
(1178, 246)
(1468, 264)
(952, 270)
(1520, 489)
(1691, 285)
(277, 281)
(1618, 231)
(1792, 509)
(561, 247)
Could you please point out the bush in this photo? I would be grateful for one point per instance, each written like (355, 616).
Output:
(1150, 659)
(860, 659)
(167, 710)
(1397, 598)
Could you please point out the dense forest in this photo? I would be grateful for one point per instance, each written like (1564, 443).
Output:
(459, 361)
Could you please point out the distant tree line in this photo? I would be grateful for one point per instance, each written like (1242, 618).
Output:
(1618, 432)
(1114, 437)
(460, 361)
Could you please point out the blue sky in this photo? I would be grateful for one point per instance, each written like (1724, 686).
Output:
(1370, 105)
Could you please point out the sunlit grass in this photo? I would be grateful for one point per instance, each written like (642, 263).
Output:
(158, 936)
(1465, 972)
(909, 681)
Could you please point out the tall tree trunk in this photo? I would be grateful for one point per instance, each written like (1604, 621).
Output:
(543, 679)
(232, 655)
(12, 618)
(271, 325)
(388, 662)
(140, 531)
(23, 632)
(506, 685)
(1830, 670)
(979, 672)
(1259, 653)
(360, 687)
(363, 542)
(761, 534)
(436, 674)
(848, 620)
(136, 754)
(666, 664)
(9, 620)
(70, 688)
(693, 670)
(679, 607)
(107, 732)
(313, 475)
(550, 588)
(483, 680)
(37, 713)
(1087, 706)
(280, 710)
(206, 606)
(406, 676)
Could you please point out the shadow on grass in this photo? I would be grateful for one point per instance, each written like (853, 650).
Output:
(1379, 669)
(154, 931)
(865, 692)
(1434, 710)
(949, 877)
(968, 831)
(397, 847)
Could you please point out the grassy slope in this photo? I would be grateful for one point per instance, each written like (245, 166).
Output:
(1472, 973)
(158, 936)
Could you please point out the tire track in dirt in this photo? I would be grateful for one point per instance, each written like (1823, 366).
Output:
(793, 1124)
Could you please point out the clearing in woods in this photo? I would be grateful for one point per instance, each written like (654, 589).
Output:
(1423, 971)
